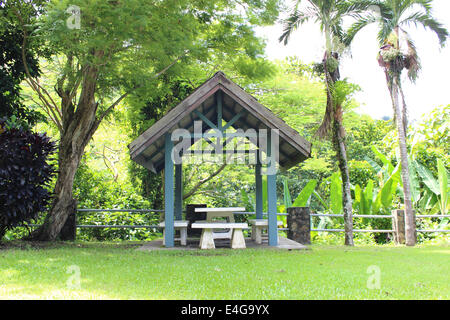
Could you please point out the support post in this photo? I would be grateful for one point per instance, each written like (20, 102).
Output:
(272, 198)
(299, 224)
(398, 225)
(178, 191)
(219, 110)
(258, 182)
(168, 192)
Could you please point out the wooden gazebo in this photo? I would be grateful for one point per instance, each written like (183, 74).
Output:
(221, 105)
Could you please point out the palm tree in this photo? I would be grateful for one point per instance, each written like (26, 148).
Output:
(329, 15)
(397, 53)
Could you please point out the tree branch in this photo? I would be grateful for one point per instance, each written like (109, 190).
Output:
(33, 83)
(202, 182)
(112, 106)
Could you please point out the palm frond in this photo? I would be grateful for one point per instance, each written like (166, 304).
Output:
(290, 24)
(427, 21)
(338, 32)
(386, 30)
(357, 27)
(405, 5)
(355, 8)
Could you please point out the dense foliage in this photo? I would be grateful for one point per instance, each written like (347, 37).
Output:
(12, 72)
(25, 173)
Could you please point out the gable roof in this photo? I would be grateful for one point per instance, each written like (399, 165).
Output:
(148, 149)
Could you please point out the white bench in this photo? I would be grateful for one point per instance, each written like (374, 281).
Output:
(207, 238)
(258, 225)
(178, 225)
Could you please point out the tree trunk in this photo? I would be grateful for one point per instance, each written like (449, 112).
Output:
(410, 219)
(78, 129)
(333, 117)
(341, 153)
(69, 230)
(69, 159)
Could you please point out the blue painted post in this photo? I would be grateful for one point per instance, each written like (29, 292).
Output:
(258, 181)
(219, 110)
(178, 191)
(272, 199)
(219, 146)
(168, 192)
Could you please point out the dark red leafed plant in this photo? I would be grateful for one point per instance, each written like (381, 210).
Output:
(25, 174)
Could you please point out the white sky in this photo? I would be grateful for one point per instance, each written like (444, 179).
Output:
(430, 90)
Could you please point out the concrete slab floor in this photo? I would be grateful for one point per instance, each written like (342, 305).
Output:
(193, 244)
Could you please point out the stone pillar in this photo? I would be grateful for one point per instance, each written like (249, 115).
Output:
(398, 225)
(299, 224)
(193, 216)
(69, 230)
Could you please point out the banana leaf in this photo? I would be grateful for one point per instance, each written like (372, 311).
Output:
(386, 194)
(428, 200)
(357, 201)
(336, 193)
(304, 196)
(414, 182)
(428, 179)
(389, 188)
(286, 194)
(368, 197)
(264, 193)
(374, 164)
(384, 159)
(317, 195)
(443, 185)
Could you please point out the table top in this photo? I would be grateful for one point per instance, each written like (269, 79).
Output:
(218, 225)
(232, 209)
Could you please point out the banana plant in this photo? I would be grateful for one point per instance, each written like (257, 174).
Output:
(432, 197)
(336, 193)
(371, 200)
(303, 199)
(443, 186)
(391, 183)
(335, 203)
(436, 191)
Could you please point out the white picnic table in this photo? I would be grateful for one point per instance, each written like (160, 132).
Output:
(212, 213)
(228, 213)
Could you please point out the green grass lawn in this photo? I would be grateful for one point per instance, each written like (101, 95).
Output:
(119, 271)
